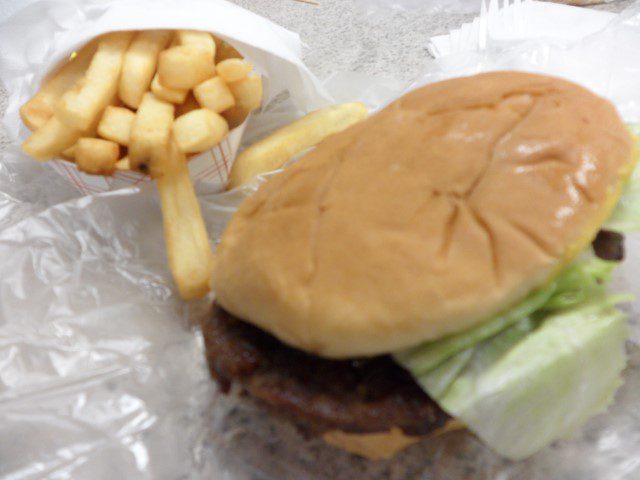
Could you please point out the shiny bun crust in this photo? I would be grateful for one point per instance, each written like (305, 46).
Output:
(443, 209)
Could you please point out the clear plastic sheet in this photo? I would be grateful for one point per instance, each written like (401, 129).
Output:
(519, 20)
(102, 371)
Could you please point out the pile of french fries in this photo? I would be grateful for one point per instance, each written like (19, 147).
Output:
(145, 101)
(126, 93)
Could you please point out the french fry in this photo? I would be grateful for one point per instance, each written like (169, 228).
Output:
(150, 135)
(69, 153)
(50, 140)
(184, 67)
(54, 138)
(96, 156)
(248, 95)
(189, 105)
(41, 106)
(198, 39)
(225, 51)
(115, 124)
(167, 94)
(139, 65)
(199, 130)
(275, 150)
(215, 95)
(186, 238)
(123, 164)
(83, 104)
(233, 69)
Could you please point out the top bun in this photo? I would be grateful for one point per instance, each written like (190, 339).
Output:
(443, 209)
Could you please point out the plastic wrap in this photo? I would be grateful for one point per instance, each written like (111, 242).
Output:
(102, 371)
(521, 20)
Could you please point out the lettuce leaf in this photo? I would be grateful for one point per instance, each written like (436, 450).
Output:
(533, 374)
(582, 279)
(585, 278)
(537, 381)
(425, 357)
(626, 216)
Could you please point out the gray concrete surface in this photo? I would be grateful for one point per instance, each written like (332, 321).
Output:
(341, 38)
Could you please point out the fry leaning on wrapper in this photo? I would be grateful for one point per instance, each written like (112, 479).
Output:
(144, 105)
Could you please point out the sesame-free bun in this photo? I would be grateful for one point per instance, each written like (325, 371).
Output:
(446, 207)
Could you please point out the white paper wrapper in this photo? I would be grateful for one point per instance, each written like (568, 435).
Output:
(102, 371)
(57, 28)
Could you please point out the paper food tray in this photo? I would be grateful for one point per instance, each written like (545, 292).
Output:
(65, 26)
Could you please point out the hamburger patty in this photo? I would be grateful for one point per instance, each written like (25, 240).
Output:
(357, 396)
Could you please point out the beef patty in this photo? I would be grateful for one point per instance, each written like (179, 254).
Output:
(357, 396)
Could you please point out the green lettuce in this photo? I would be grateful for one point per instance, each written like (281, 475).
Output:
(582, 279)
(626, 216)
(531, 375)
(537, 381)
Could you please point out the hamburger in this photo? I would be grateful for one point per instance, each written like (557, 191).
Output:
(443, 264)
